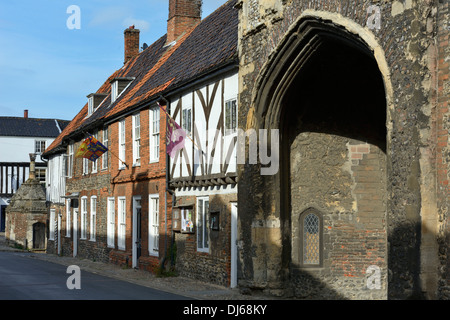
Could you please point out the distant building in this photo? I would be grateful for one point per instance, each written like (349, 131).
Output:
(20, 136)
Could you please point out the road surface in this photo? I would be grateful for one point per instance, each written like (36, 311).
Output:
(25, 278)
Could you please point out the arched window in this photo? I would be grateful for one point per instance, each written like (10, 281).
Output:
(311, 239)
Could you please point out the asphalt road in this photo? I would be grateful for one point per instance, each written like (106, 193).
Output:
(25, 278)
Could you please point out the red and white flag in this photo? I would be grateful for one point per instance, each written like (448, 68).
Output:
(175, 135)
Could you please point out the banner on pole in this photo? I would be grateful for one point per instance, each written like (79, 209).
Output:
(91, 149)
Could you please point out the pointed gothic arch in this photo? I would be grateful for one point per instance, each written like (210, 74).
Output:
(293, 66)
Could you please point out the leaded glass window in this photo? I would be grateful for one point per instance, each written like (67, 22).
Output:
(311, 239)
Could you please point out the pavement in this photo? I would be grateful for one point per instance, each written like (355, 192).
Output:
(174, 284)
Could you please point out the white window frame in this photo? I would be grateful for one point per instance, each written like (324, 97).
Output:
(90, 105)
(68, 219)
(202, 224)
(122, 149)
(186, 119)
(83, 222)
(93, 219)
(85, 166)
(105, 143)
(111, 229)
(114, 90)
(154, 133)
(70, 160)
(122, 223)
(51, 227)
(153, 224)
(39, 146)
(230, 120)
(136, 134)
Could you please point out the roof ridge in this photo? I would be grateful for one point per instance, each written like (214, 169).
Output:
(29, 118)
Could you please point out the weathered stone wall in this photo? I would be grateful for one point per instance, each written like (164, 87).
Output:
(93, 184)
(403, 38)
(213, 266)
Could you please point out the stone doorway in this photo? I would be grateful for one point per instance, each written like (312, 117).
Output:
(39, 236)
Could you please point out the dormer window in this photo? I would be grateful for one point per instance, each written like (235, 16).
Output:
(118, 85)
(90, 105)
(114, 90)
(94, 100)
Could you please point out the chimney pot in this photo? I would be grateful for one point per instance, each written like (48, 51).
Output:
(25, 114)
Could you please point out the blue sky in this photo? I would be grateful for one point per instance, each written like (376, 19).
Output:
(49, 69)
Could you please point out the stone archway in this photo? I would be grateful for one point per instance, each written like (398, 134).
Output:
(324, 91)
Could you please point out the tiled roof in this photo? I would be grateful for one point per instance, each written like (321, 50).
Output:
(159, 68)
(31, 127)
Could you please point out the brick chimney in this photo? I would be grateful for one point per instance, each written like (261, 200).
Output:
(131, 36)
(183, 15)
(25, 114)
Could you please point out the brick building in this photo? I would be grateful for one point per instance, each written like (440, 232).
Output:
(119, 208)
(359, 93)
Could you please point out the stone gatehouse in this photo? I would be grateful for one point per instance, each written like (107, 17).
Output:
(359, 93)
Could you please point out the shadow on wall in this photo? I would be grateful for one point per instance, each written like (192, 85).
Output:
(401, 278)
(212, 262)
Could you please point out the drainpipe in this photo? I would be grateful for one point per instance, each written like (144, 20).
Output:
(167, 189)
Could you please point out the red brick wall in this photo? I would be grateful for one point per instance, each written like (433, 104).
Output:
(442, 96)
(131, 38)
(148, 178)
(183, 15)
